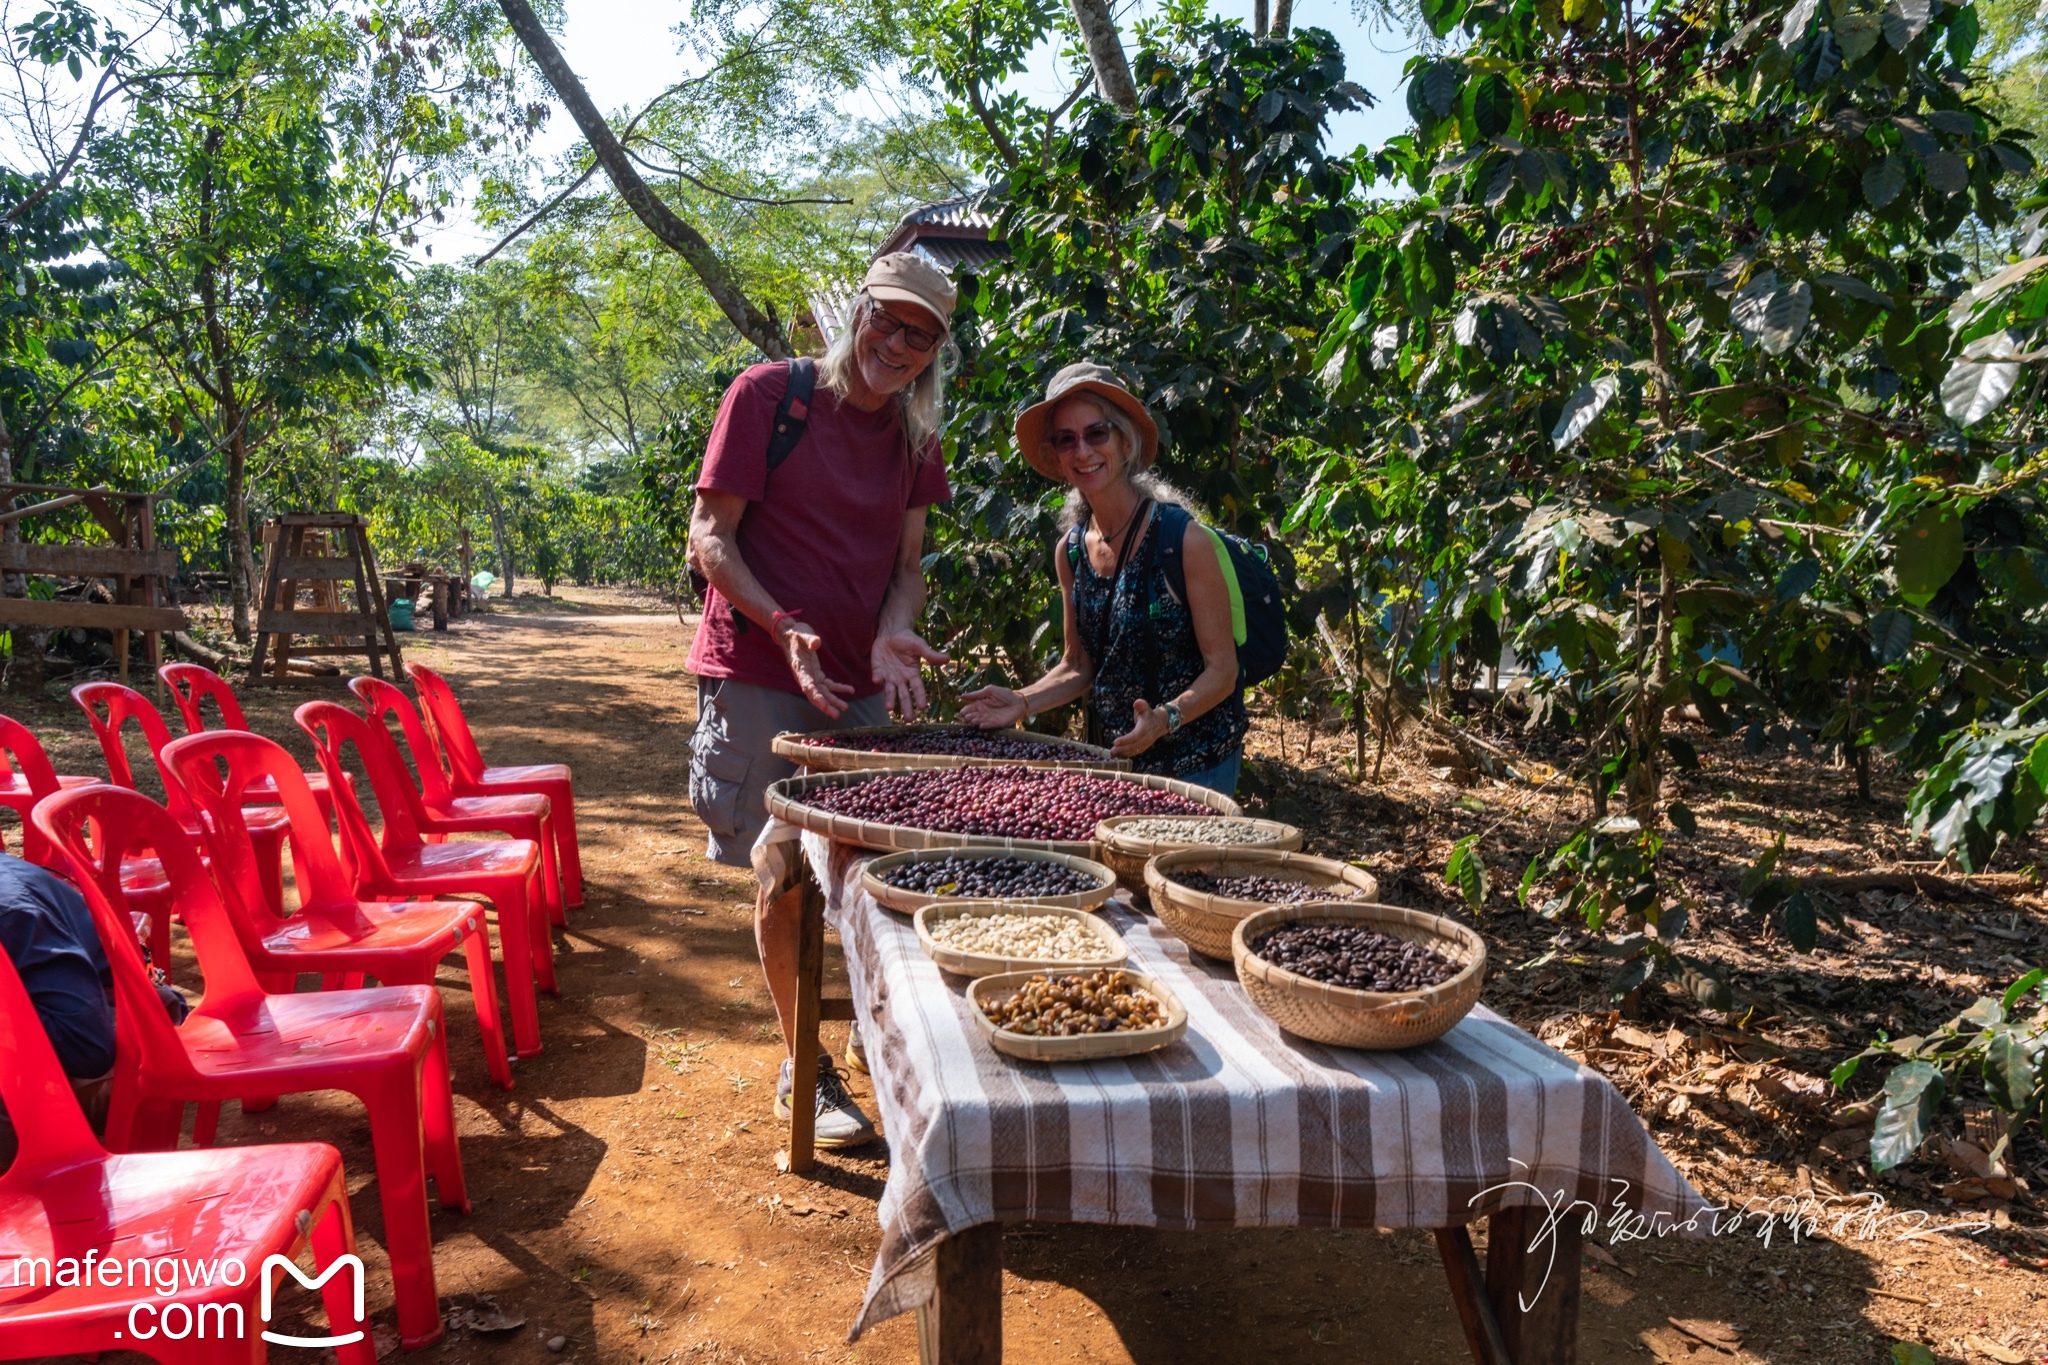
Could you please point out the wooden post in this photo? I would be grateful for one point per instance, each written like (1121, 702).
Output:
(803, 1048)
(153, 640)
(963, 1325)
(440, 601)
(1468, 1292)
(1535, 1289)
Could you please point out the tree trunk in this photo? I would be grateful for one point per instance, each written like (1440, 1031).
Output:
(1105, 53)
(1283, 18)
(28, 641)
(1260, 23)
(1648, 735)
(241, 577)
(659, 219)
(504, 544)
(231, 421)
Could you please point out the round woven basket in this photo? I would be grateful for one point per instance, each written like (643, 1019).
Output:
(1362, 1019)
(1205, 921)
(831, 758)
(873, 880)
(1127, 855)
(786, 803)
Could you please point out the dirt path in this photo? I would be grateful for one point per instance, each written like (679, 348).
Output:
(626, 1196)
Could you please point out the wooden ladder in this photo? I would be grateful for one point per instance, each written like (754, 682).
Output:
(300, 548)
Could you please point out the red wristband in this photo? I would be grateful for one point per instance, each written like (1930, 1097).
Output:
(779, 617)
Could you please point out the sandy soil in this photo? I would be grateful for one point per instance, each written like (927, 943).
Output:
(626, 1193)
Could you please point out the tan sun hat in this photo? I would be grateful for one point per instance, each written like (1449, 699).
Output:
(906, 277)
(1083, 376)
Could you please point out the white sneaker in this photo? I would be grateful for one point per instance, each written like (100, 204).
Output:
(840, 1122)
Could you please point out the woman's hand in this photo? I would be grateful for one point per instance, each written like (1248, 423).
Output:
(898, 658)
(800, 646)
(994, 708)
(1148, 731)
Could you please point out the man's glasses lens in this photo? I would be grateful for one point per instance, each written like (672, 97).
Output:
(915, 337)
(1096, 435)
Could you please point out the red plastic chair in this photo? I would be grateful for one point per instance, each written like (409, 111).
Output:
(386, 1046)
(22, 764)
(108, 707)
(65, 1196)
(457, 747)
(191, 685)
(333, 933)
(438, 811)
(402, 864)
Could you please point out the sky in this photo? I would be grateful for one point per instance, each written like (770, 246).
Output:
(627, 53)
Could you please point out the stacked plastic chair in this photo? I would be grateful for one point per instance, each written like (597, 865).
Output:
(401, 864)
(66, 1196)
(471, 777)
(439, 812)
(386, 1046)
(332, 933)
(192, 686)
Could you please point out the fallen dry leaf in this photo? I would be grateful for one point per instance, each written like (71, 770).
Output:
(2004, 1355)
(486, 1317)
(1721, 1336)
(1667, 1346)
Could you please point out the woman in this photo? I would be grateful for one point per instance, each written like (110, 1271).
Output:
(1160, 674)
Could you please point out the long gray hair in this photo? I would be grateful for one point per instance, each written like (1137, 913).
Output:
(1147, 481)
(920, 404)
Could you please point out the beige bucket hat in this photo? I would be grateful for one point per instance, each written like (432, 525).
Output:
(1084, 376)
(906, 277)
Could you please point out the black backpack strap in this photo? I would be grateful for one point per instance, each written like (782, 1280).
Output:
(1173, 527)
(793, 413)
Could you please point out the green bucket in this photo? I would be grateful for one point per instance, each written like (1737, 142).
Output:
(401, 614)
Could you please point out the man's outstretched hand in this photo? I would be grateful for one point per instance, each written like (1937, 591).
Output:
(800, 646)
(899, 659)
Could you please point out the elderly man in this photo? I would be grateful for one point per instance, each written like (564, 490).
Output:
(809, 529)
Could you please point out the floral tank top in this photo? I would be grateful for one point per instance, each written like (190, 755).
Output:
(1111, 618)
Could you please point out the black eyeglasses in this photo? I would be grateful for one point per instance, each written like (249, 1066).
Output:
(1096, 434)
(916, 338)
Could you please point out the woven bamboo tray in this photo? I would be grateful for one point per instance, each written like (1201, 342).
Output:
(830, 758)
(962, 963)
(1127, 856)
(1362, 1019)
(1205, 921)
(910, 902)
(785, 802)
(1085, 1047)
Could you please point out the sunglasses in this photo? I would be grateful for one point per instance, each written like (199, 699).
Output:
(1066, 442)
(916, 338)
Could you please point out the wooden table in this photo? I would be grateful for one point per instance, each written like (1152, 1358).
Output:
(1521, 1308)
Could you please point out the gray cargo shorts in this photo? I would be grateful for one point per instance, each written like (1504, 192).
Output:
(732, 759)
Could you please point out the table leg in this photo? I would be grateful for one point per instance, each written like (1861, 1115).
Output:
(810, 981)
(1468, 1291)
(1545, 1276)
(963, 1325)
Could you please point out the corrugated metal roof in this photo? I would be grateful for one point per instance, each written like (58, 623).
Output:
(950, 234)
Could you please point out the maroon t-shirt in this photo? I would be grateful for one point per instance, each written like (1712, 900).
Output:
(820, 533)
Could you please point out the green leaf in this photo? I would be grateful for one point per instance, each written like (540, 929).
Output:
(1885, 181)
(1974, 387)
(2012, 1069)
(1912, 1096)
(1798, 579)
(2021, 987)
(1632, 975)
(1703, 985)
(1440, 87)
(1466, 871)
(1963, 31)
(1800, 925)
(1683, 819)
(1891, 635)
(1682, 753)
(1582, 409)
(1904, 20)
(1946, 172)
(1912, 1353)
(1857, 33)
(1797, 20)
(1769, 316)
(1927, 552)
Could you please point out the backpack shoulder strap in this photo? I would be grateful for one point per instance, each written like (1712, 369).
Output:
(1173, 522)
(793, 413)
(1075, 545)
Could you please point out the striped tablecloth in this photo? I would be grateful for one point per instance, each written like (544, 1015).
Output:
(1237, 1125)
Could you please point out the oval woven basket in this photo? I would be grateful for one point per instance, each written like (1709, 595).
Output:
(1362, 1019)
(909, 902)
(832, 758)
(962, 962)
(1083, 1047)
(1127, 855)
(786, 803)
(1205, 921)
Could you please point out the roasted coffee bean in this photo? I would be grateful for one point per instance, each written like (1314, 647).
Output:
(1265, 890)
(1014, 803)
(1354, 956)
(966, 877)
(1061, 1006)
(958, 743)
